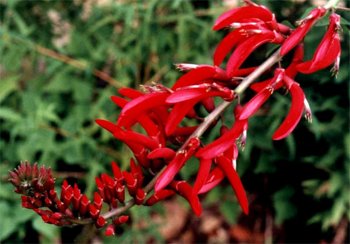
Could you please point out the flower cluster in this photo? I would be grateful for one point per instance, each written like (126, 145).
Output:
(36, 184)
(151, 122)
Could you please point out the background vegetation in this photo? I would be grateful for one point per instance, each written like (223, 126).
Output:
(62, 60)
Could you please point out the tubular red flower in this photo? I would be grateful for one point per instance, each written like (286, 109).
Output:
(164, 152)
(226, 165)
(295, 112)
(299, 33)
(245, 12)
(230, 41)
(328, 51)
(110, 230)
(185, 190)
(260, 98)
(158, 196)
(214, 178)
(140, 106)
(197, 75)
(202, 174)
(176, 164)
(176, 115)
(245, 48)
(221, 144)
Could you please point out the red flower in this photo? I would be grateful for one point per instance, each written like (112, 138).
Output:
(245, 48)
(299, 33)
(176, 164)
(227, 168)
(223, 143)
(252, 10)
(214, 178)
(260, 98)
(295, 112)
(328, 51)
(200, 74)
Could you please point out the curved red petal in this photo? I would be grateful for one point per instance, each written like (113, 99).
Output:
(140, 105)
(221, 144)
(244, 49)
(214, 178)
(195, 76)
(186, 191)
(255, 103)
(226, 165)
(170, 171)
(129, 92)
(135, 138)
(202, 174)
(226, 45)
(105, 124)
(299, 33)
(163, 152)
(185, 94)
(245, 12)
(176, 115)
(294, 115)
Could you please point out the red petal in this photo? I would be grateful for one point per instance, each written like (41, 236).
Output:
(163, 152)
(176, 115)
(255, 103)
(185, 190)
(245, 12)
(214, 178)
(176, 164)
(117, 172)
(133, 109)
(299, 33)
(231, 174)
(244, 49)
(129, 92)
(294, 115)
(259, 86)
(221, 144)
(121, 102)
(199, 74)
(110, 230)
(208, 104)
(158, 196)
(150, 127)
(226, 45)
(202, 174)
(185, 95)
(325, 55)
(137, 138)
(170, 171)
(105, 124)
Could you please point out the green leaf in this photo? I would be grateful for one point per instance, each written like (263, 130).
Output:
(230, 210)
(8, 85)
(284, 208)
(9, 114)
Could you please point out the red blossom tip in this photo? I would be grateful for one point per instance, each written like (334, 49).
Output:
(295, 111)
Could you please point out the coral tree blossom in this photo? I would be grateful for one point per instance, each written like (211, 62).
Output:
(163, 127)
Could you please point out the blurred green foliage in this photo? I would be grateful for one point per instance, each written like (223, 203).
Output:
(62, 60)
